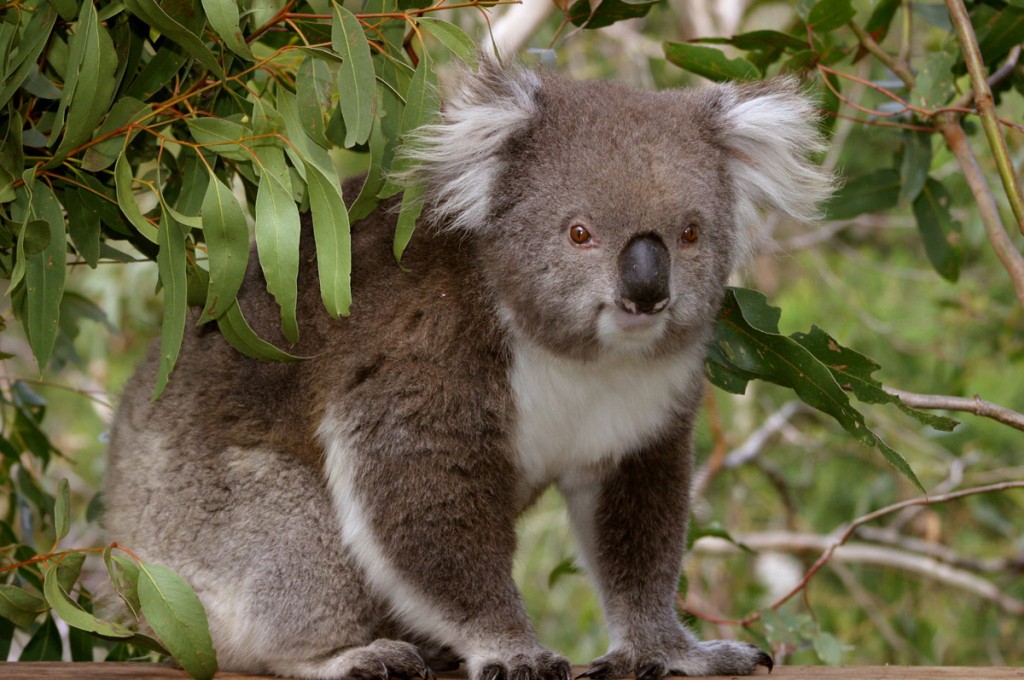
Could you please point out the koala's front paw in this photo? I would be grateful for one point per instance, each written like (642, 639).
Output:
(541, 664)
(714, 657)
(383, 660)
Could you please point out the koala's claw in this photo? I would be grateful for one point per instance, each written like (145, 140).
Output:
(597, 671)
(654, 671)
(763, 659)
(493, 672)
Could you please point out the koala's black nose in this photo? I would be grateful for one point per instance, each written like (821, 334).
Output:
(644, 266)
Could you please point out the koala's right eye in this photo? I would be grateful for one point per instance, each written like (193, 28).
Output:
(579, 235)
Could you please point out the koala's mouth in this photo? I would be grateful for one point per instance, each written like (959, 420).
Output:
(617, 327)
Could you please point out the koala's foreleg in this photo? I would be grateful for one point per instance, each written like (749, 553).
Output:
(434, 529)
(631, 525)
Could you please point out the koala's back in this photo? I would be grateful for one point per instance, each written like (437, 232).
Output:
(224, 470)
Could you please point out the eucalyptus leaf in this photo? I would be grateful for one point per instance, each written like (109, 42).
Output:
(939, 231)
(44, 277)
(61, 509)
(237, 331)
(875, 192)
(452, 37)
(277, 239)
(45, 644)
(73, 614)
(709, 62)
(356, 87)
(587, 14)
(170, 262)
(19, 606)
(178, 619)
(224, 18)
(747, 338)
(828, 15)
(226, 234)
(333, 242)
(154, 15)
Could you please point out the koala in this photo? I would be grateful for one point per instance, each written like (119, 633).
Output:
(342, 516)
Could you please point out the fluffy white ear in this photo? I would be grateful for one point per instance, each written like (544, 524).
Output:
(461, 157)
(769, 129)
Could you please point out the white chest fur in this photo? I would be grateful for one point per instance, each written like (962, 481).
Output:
(573, 414)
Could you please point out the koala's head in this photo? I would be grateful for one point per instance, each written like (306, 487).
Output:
(609, 219)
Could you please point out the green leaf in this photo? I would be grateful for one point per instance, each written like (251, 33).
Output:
(126, 198)
(222, 136)
(178, 619)
(1005, 30)
(19, 606)
(828, 648)
(936, 83)
(367, 200)
(333, 241)
(61, 510)
(224, 18)
(747, 338)
(99, 156)
(584, 14)
(226, 233)
(563, 568)
(154, 15)
(715, 530)
(408, 214)
(277, 238)
(83, 227)
(69, 569)
(124, 576)
(356, 86)
(421, 107)
(33, 40)
(44, 277)
(939, 231)
(44, 645)
(91, 84)
(759, 41)
(852, 370)
(73, 614)
(881, 19)
(170, 261)
(917, 160)
(709, 62)
(237, 331)
(452, 37)
(828, 15)
(875, 192)
(314, 86)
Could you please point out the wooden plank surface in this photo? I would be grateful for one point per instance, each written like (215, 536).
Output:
(149, 671)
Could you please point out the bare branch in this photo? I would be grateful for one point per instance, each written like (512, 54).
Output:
(948, 124)
(833, 542)
(975, 405)
(986, 106)
(864, 553)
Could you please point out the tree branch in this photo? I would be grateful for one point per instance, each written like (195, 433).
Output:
(864, 553)
(837, 539)
(948, 124)
(975, 405)
(986, 106)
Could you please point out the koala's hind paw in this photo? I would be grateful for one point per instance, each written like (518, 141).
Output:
(714, 657)
(544, 665)
(380, 660)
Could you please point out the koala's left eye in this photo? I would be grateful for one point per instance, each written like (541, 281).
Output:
(579, 235)
(689, 236)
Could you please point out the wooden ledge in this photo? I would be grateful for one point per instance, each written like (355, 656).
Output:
(149, 671)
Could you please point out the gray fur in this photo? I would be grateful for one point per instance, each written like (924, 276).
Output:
(331, 511)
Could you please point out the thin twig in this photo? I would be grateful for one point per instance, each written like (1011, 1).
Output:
(975, 405)
(894, 63)
(838, 538)
(865, 553)
(986, 106)
(948, 124)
